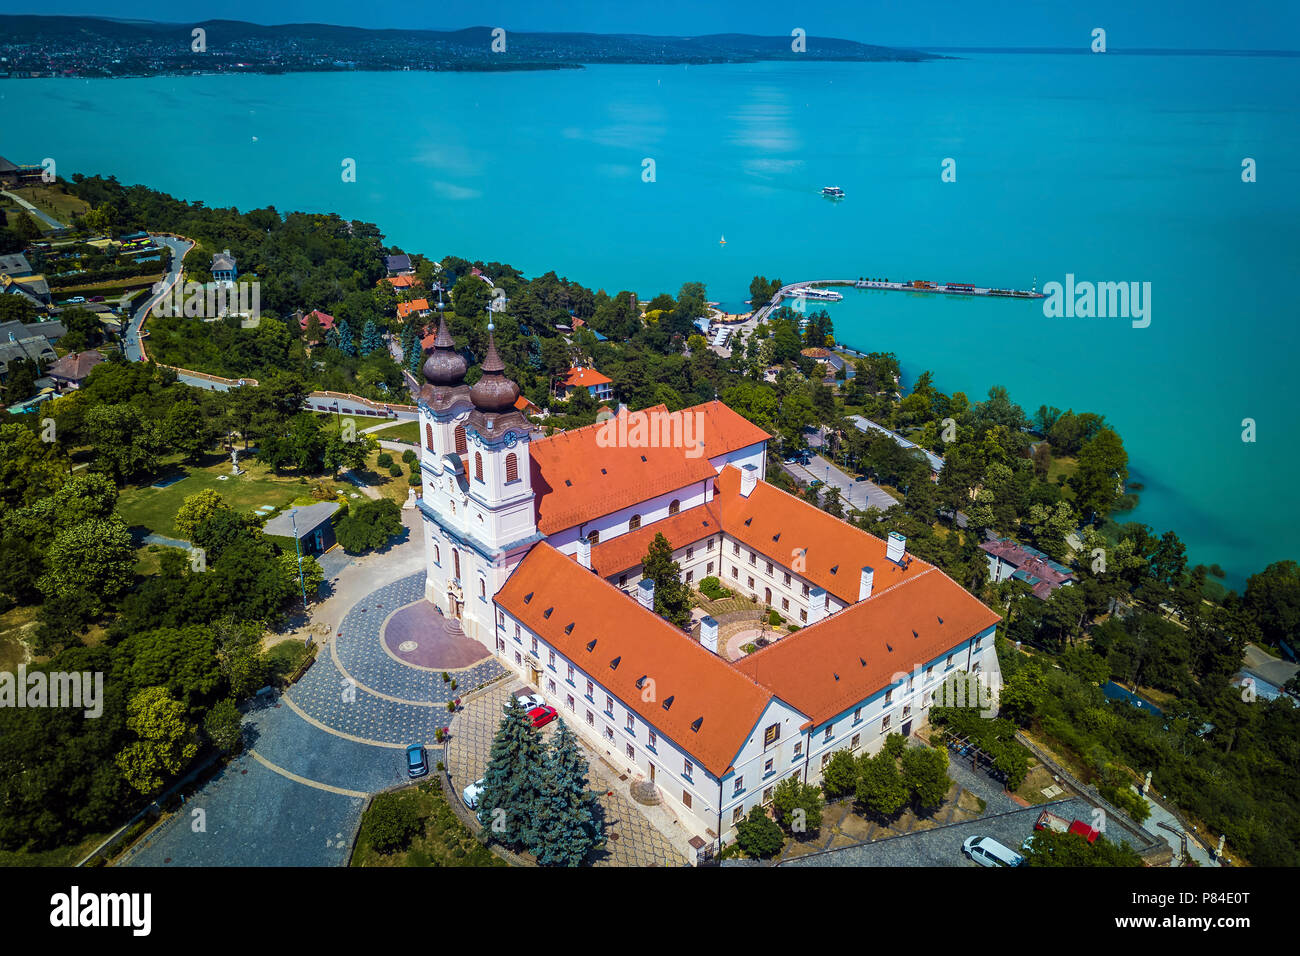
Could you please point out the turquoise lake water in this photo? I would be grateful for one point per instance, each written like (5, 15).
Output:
(1113, 168)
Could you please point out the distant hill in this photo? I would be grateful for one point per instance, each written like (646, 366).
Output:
(47, 45)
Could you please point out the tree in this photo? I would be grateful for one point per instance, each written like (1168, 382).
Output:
(93, 558)
(1052, 848)
(21, 383)
(925, 773)
(313, 575)
(166, 741)
(346, 345)
(196, 509)
(569, 824)
(223, 725)
(798, 805)
(186, 429)
(393, 822)
(1273, 598)
(840, 776)
(1102, 471)
(369, 526)
(672, 596)
(758, 834)
(126, 443)
(371, 340)
(30, 468)
(512, 781)
(881, 789)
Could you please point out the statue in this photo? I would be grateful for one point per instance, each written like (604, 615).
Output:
(234, 460)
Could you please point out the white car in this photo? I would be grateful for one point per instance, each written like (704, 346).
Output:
(472, 793)
(987, 851)
(527, 702)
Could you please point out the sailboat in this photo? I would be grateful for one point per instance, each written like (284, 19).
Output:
(722, 241)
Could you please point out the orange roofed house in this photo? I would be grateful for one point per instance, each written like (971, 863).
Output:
(535, 546)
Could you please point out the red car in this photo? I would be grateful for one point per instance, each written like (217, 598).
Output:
(541, 716)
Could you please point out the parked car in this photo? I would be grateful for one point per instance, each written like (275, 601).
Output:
(541, 716)
(527, 701)
(416, 763)
(472, 793)
(96, 298)
(987, 851)
(76, 300)
(815, 483)
(861, 478)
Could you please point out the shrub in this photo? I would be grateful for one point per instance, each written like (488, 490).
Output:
(395, 470)
(758, 834)
(712, 589)
(408, 456)
(384, 460)
(773, 618)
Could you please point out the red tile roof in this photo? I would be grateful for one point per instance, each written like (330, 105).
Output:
(415, 305)
(577, 477)
(326, 321)
(403, 282)
(790, 531)
(586, 377)
(829, 666)
(627, 550)
(586, 608)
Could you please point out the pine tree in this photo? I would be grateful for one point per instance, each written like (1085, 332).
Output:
(672, 597)
(415, 358)
(371, 340)
(332, 338)
(569, 823)
(345, 343)
(511, 784)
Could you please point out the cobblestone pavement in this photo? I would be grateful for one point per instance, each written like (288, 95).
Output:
(359, 648)
(633, 840)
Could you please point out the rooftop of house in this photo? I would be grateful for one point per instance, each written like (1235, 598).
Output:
(585, 378)
(829, 666)
(403, 282)
(15, 265)
(75, 366)
(307, 517)
(793, 533)
(587, 472)
(14, 330)
(398, 263)
(326, 321)
(697, 699)
(1032, 566)
(415, 305)
(627, 550)
(223, 262)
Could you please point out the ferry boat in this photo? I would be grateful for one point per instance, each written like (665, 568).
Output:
(820, 295)
(832, 192)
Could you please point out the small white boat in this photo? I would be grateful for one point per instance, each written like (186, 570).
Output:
(832, 192)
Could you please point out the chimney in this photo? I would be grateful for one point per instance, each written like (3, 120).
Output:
(864, 587)
(897, 546)
(709, 633)
(748, 479)
(584, 552)
(816, 605)
(645, 592)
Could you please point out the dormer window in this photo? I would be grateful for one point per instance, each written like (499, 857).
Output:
(633, 522)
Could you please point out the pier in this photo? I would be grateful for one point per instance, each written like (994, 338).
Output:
(809, 290)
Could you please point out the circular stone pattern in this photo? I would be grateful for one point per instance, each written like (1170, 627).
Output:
(418, 634)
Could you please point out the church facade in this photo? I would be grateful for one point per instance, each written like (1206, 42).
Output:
(534, 544)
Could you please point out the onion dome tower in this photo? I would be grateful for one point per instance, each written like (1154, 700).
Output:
(444, 371)
(494, 397)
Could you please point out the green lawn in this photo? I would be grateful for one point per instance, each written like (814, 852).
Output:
(285, 657)
(402, 431)
(1061, 468)
(445, 841)
(155, 508)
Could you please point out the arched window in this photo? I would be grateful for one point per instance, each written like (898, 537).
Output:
(478, 467)
(456, 557)
(634, 522)
(593, 537)
(512, 467)
(437, 559)
(428, 435)
(482, 588)
(674, 506)
(462, 445)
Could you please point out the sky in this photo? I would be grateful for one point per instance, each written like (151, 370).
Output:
(1172, 24)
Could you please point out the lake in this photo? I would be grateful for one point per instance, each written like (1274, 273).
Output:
(1108, 167)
